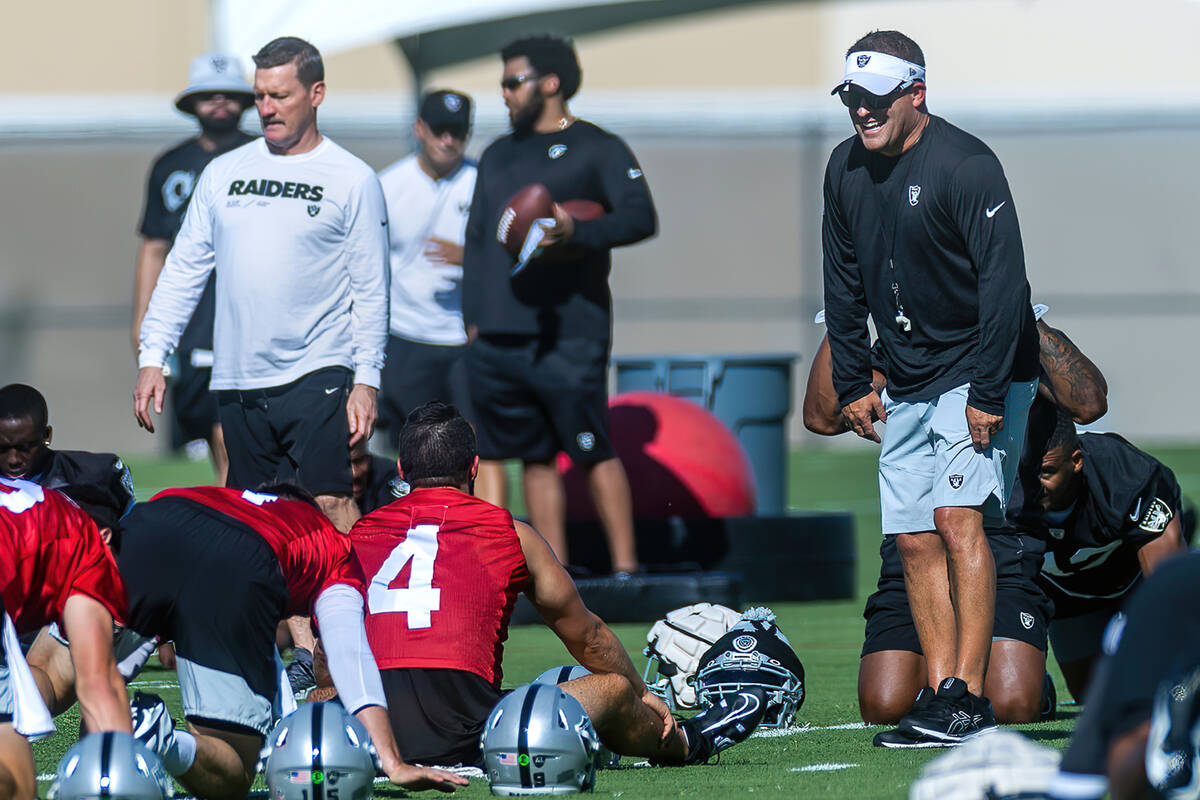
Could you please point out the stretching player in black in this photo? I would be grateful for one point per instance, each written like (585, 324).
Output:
(538, 361)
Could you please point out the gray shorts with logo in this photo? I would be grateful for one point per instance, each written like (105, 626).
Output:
(929, 461)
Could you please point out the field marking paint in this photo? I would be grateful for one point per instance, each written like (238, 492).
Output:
(823, 767)
(155, 684)
(793, 730)
(45, 776)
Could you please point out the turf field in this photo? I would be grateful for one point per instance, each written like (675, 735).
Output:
(831, 755)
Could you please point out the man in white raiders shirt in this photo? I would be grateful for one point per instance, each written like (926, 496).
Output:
(428, 195)
(296, 229)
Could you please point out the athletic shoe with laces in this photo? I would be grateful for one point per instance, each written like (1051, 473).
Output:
(724, 724)
(952, 715)
(152, 723)
(300, 671)
(897, 739)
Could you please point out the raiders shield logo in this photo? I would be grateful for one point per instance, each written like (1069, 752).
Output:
(586, 441)
(1157, 515)
(914, 194)
(744, 644)
(1026, 620)
(862, 61)
(956, 481)
(313, 210)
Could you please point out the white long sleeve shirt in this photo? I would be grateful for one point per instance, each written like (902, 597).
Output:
(426, 295)
(300, 246)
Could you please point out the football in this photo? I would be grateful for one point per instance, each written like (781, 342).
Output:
(583, 209)
(529, 203)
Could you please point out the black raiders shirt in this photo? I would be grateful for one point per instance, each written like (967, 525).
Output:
(568, 296)
(1128, 498)
(382, 488)
(172, 178)
(99, 483)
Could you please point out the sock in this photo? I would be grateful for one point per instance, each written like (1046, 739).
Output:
(181, 754)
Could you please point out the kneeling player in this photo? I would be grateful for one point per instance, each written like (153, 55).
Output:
(445, 570)
(215, 570)
(54, 568)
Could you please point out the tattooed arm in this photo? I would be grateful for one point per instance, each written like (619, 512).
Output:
(1069, 378)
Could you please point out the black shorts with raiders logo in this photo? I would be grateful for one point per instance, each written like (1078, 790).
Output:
(535, 397)
(1022, 609)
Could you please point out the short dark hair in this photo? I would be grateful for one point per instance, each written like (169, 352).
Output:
(549, 55)
(893, 43)
(289, 491)
(1064, 434)
(437, 447)
(290, 49)
(17, 401)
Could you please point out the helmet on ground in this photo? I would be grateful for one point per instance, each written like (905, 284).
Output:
(674, 646)
(316, 749)
(606, 758)
(754, 653)
(539, 740)
(110, 764)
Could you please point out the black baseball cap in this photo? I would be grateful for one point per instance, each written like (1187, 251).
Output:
(446, 109)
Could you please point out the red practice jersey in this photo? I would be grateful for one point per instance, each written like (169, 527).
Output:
(312, 554)
(50, 550)
(444, 570)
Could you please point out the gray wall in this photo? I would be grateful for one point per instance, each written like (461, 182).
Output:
(1107, 212)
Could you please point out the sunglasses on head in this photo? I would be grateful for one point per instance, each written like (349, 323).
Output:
(514, 82)
(854, 98)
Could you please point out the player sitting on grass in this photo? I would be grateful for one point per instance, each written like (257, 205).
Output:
(892, 670)
(445, 569)
(215, 570)
(53, 568)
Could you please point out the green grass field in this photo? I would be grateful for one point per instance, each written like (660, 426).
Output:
(831, 756)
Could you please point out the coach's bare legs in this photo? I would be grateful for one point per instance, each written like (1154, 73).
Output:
(491, 483)
(614, 505)
(224, 765)
(927, 583)
(341, 509)
(16, 765)
(625, 724)
(972, 587)
(546, 502)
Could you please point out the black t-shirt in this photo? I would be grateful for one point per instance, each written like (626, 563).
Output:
(564, 294)
(99, 482)
(1127, 499)
(932, 233)
(172, 179)
(381, 485)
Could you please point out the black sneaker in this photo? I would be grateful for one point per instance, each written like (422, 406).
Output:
(724, 724)
(1049, 700)
(300, 671)
(952, 715)
(895, 739)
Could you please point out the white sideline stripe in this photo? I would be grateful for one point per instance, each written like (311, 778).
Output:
(823, 767)
(794, 730)
(155, 684)
(45, 776)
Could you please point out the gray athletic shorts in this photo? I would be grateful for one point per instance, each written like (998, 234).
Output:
(928, 460)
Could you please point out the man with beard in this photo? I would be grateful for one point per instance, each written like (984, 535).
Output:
(538, 361)
(217, 95)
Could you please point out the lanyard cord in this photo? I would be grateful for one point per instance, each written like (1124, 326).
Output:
(890, 241)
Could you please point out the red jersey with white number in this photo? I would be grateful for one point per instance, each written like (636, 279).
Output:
(50, 550)
(444, 570)
(313, 554)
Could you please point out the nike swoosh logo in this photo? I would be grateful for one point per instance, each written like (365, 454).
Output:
(331, 390)
(1136, 510)
(991, 212)
(747, 705)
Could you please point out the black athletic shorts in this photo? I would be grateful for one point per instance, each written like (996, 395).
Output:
(438, 714)
(214, 587)
(1022, 609)
(535, 398)
(298, 432)
(194, 407)
(415, 373)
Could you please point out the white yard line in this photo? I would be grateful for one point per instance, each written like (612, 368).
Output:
(155, 684)
(773, 733)
(823, 767)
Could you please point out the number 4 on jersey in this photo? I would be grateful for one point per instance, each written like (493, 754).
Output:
(419, 599)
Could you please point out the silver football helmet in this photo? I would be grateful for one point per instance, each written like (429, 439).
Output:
(110, 765)
(539, 740)
(317, 749)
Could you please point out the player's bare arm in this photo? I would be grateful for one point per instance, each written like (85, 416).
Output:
(50, 662)
(103, 702)
(152, 254)
(1169, 543)
(861, 414)
(148, 393)
(1069, 377)
(399, 771)
(822, 412)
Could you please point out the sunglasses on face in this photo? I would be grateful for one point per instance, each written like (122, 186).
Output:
(514, 82)
(455, 131)
(855, 98)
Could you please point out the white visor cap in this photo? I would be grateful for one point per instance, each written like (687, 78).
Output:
(879, 73)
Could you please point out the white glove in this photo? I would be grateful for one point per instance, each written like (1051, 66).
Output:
(679, 640)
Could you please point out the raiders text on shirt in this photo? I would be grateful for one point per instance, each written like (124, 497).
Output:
(267, 188)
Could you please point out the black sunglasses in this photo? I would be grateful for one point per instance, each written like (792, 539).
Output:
(513, 82)
(854, 98)
(457, 131)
